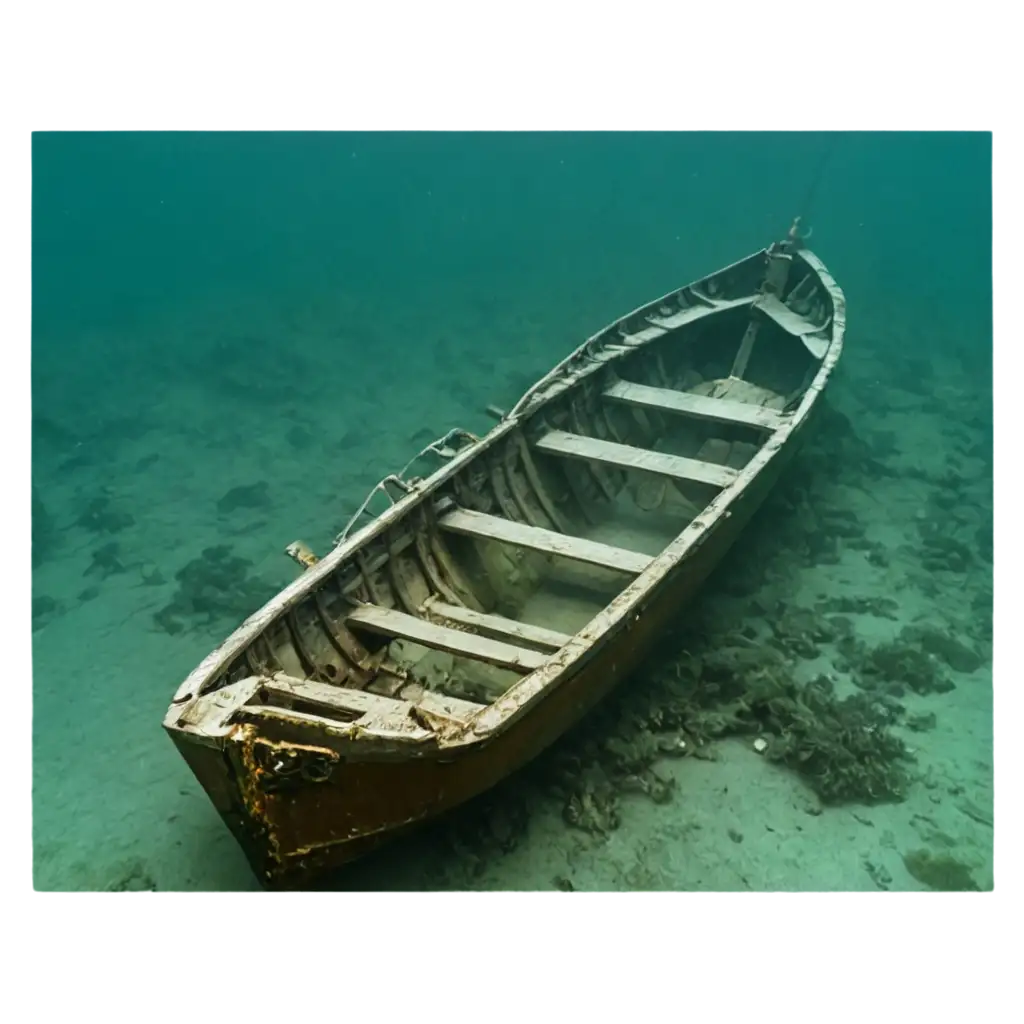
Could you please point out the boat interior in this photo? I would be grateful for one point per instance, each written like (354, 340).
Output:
(493, 572)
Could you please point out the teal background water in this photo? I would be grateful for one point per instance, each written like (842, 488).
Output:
(469, 232)
(125, 221)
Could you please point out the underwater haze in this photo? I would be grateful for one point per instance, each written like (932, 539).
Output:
(236, 335)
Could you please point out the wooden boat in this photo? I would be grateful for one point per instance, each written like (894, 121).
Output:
(456, 634)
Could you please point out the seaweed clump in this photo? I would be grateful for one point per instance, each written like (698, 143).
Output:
(213, 587)
(844, 749)
(958, 656)
(892, 668)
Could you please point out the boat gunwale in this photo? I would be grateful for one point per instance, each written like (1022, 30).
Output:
(523, 694)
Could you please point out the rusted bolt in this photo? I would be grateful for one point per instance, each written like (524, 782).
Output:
(317, 770)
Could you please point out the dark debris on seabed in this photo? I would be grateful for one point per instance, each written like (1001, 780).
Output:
(216, 586)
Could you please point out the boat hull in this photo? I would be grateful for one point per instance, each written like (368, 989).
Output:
(294, 834)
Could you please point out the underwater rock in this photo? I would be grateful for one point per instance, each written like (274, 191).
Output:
(44, 608)
(44, 532)
(799, 631)
(299, 438)
(958, 656)
(592, 811)
(151, 575)
(212, 587)
(249, 496)
(939, 871)
(723, 664)
(106, 561)
(879, 607)
(878, 557)
(502, 824)
(983, 541)
(563, 884)
(941, 552)
(99, 517)
(891, 666)
(134, 877)
(921, 723)
(878, 874)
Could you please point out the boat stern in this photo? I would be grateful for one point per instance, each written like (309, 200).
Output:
(303, 795)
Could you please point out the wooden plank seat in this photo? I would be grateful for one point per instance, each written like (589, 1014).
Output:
(497, 626)
(333, 698)
(717, 410)
(810, 333)
(394, 624)
(535, 538)
(624, 456)
(359, 702)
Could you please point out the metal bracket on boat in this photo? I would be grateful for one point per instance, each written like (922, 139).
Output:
(286, 763)
(444, 448)
(380, 487)
(794, 239)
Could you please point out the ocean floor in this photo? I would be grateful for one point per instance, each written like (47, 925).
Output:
(869, 572)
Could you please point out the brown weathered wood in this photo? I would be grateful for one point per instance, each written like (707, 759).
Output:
(497, 626)
(575, 446)
(441, 706)
(716, 410)
(390, 623)
(478, 524)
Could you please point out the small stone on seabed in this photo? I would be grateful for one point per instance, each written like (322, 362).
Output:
(760, 745)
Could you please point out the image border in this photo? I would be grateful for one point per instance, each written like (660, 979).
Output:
(548, 69)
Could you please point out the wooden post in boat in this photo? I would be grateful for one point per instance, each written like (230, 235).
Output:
(780, 260)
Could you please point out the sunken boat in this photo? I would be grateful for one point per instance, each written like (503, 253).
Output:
(450, 637)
